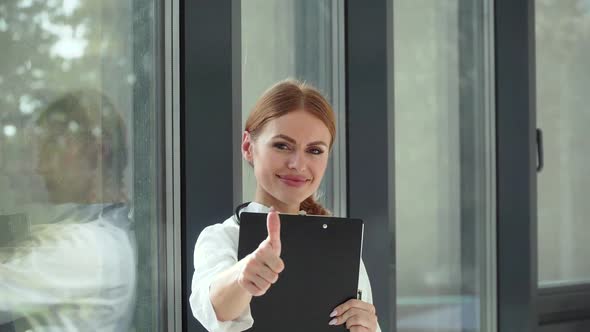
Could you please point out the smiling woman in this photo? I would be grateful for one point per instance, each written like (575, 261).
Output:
(287, 140)
(292, 149)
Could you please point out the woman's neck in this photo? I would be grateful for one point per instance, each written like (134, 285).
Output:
(264, 198)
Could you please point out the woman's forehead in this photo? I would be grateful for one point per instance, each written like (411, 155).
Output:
(299, 125)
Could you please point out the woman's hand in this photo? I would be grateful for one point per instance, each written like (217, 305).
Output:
(261, 268)
(358, 316)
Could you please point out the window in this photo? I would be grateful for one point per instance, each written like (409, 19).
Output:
(301, 40)
(80, 187)
(444, 157)
(563, 72)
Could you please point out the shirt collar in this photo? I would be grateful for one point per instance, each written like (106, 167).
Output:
(255, 207)
(260, 208)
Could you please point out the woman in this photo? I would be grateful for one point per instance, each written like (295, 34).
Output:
(75, 269)
(287, 140)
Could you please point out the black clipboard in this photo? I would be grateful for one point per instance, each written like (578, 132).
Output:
(302, 300)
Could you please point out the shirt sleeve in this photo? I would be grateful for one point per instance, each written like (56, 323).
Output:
(215, 251)
(365, 287)
(74, 265)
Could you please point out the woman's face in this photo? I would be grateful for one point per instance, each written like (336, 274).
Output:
(68, 168)
(289, 156)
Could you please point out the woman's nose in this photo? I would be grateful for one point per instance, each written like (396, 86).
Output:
(297, 162)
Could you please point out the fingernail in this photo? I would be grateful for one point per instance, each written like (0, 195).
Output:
(334, 313)
(332, 322)
(272, 209)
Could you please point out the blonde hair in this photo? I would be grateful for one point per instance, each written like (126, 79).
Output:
(288, 96)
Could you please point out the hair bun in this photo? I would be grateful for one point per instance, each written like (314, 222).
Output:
(310, 206)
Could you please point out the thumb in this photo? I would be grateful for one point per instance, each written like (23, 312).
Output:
(273, 225)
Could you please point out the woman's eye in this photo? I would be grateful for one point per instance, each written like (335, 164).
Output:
(281, 146)
(316, 151)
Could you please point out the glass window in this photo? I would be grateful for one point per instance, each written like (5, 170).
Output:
(79, 188)
(443, 165)
(563, 76)
(302, 40)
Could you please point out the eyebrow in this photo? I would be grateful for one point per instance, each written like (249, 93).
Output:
(291, 140)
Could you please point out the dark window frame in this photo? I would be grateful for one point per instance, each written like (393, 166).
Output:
(210, 93)
(369, 102)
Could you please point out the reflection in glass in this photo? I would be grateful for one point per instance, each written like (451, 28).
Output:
(82, 150)
(563, 76)
(442, 164)
(75, 271)
(78, 165)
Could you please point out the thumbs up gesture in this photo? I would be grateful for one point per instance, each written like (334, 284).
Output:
(261, 268)
(273, 226)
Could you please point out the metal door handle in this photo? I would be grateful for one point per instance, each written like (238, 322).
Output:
(540, 157)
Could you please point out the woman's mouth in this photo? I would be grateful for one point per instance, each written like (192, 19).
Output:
(293, 180)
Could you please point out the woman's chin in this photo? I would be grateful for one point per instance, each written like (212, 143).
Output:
(293, 200)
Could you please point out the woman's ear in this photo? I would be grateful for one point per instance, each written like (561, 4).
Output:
(247, 147)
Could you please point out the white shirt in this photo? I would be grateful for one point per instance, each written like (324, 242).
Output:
(75, 274)
(216, 250)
